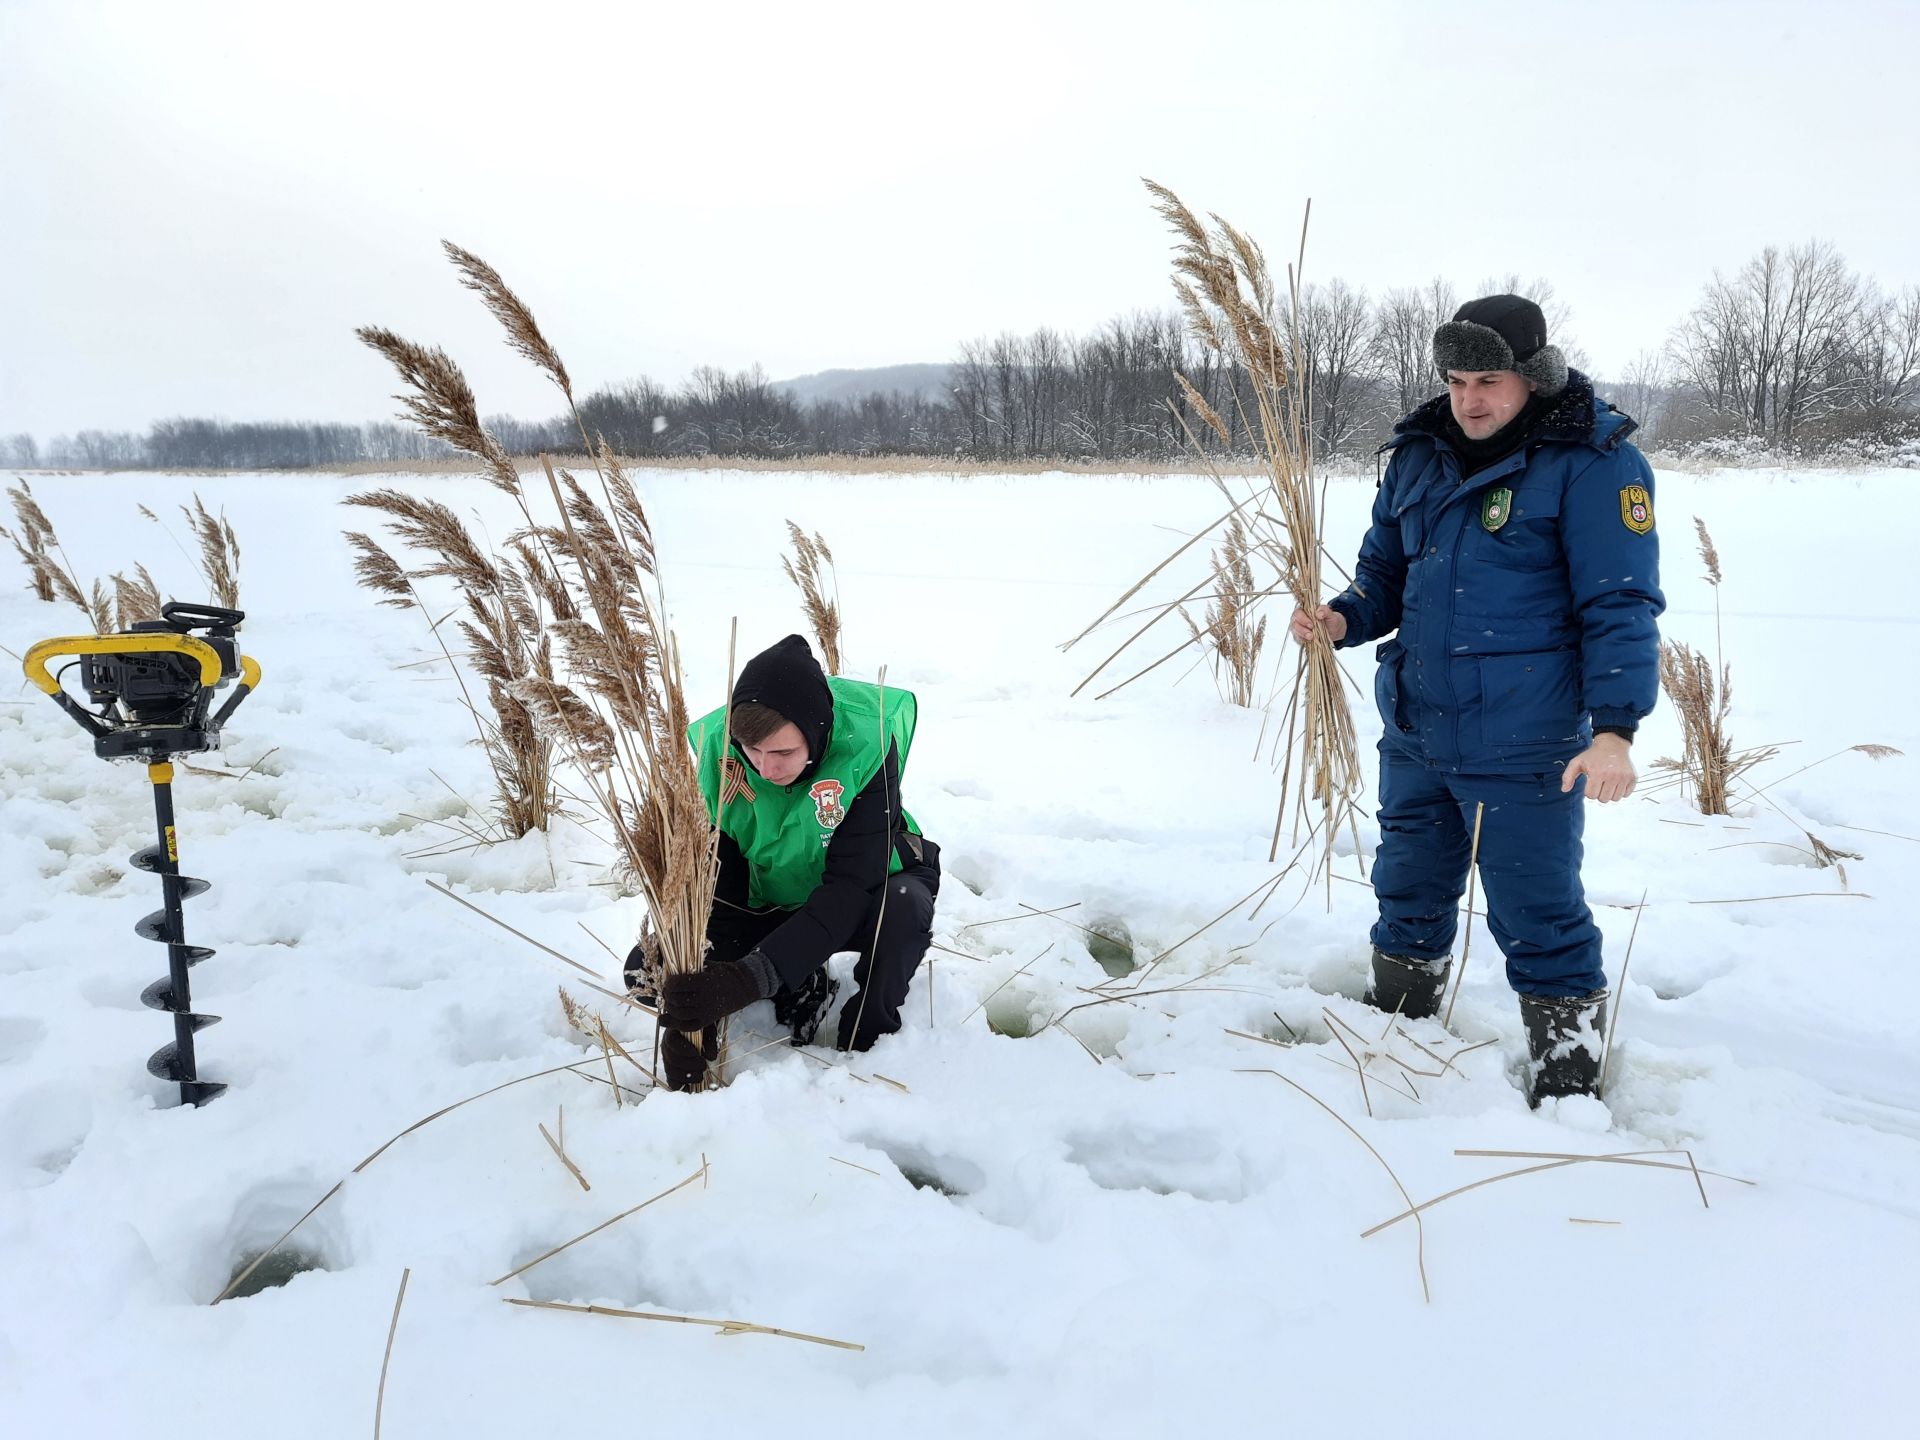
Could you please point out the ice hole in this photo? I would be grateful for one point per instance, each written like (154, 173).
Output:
(943, 1174)
(274, 1271)
(1011, 1015)
(1110, 943)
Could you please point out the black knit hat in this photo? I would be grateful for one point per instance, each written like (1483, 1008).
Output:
(789, 681)
(1501, 332)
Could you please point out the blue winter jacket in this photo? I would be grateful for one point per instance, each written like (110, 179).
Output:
(1525, 596)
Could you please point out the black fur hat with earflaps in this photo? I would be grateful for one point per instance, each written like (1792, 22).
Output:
(1501, 332)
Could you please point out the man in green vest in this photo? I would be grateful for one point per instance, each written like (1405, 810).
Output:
(816, 856)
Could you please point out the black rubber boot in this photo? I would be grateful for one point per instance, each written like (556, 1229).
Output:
(1408, 987)
(802, 1010)
(1564, 1036)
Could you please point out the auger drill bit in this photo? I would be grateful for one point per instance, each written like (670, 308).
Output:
(171, 993)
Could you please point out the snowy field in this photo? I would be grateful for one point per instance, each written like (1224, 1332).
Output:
(1112, 1225)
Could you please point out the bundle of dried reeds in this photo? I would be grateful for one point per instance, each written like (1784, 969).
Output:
(803, 569)
(1237, 312)
(589, 655)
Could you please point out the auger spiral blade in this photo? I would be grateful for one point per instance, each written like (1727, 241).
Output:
(166, 926)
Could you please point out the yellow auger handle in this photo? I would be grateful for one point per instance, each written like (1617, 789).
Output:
(144, 644)
(249, 678)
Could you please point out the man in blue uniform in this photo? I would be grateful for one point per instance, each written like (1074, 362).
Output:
(1512, 549)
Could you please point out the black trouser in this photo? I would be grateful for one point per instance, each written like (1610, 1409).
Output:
(890, 939)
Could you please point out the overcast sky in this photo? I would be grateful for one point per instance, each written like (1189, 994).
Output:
(199, 201)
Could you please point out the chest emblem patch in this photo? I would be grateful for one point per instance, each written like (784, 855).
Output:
(1496, 507)
(827, 808)
(1636, 509)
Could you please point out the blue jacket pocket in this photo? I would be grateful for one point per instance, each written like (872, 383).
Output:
(1531, 698)
(1386, 683)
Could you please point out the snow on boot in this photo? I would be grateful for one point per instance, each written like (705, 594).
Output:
(1564, 1035)
(1407, 987)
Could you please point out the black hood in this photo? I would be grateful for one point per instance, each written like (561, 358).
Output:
(789, 681)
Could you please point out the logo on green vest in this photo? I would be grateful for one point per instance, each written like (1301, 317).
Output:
(1497, 506)
(826, 804)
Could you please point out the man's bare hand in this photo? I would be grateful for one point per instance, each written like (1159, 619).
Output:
(1608, 766)
(1330, 621)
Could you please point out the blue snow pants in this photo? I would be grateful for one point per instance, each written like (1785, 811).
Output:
(1529, 870)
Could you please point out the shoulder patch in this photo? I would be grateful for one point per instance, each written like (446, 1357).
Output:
(1496, 507)
(1636, 509)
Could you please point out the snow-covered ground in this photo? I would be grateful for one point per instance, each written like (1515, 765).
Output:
(1119, 1225)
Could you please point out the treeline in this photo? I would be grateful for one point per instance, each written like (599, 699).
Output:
(1793, 352)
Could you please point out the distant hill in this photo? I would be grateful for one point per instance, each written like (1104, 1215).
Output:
(929, 381)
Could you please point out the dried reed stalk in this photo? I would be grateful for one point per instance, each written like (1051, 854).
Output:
(559, 1151)
(803, 569)
(1236, 311)
(1619, 997)
(1426, 1290)
(1557, 1161)
(725, 1327)
(1473, 873)
(386, 1360)
(699, 1174)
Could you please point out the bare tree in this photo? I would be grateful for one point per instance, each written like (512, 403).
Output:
(1643, 393)
(1403, 341)
(1771, 344)
(1336, 331)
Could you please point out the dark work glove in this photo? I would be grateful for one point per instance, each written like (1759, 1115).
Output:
(702, 1000)
(683, 1061)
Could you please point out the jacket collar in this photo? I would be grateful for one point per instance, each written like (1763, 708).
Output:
(1579, 417)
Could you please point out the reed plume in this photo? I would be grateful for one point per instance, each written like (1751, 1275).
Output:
(219, 558)
(136, 599)
(803, 569)
(504, 644)
(1701, 692)
(1232, 632)
(51, 574)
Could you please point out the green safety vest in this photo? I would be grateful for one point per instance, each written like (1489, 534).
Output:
(783, 830)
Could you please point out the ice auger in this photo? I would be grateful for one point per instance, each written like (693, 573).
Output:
(152, 688)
